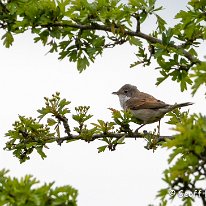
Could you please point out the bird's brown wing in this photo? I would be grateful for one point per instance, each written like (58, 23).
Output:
(145, 103)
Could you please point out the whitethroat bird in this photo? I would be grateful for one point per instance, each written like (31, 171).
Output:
(143, 106)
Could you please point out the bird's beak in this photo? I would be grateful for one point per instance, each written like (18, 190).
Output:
(116, 93)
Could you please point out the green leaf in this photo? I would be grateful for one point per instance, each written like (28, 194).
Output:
(161, 23)
(143, 17)
(40, 151)
(82, 64)
(160, 80)
(51, 121)
(183, 85)
(193, 52)
(198, 76)
(176, 151)
(135, 41)
(102, 148)
(121, 140)
(8, 39)
(63, 103)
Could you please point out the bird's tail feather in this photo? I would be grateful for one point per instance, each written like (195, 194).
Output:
(181, 105)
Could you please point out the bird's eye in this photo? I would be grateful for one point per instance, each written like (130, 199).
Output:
(125, 91)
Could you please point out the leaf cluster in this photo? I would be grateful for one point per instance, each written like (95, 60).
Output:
(80, 30)
(81, 117)
(29, 134)
(187, 160)
(26, 136)
(27, 191)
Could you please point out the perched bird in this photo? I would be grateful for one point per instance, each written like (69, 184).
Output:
(143, 106)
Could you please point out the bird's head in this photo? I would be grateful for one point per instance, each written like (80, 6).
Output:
(126, 90)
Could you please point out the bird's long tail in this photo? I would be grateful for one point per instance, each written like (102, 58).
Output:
(181, 105)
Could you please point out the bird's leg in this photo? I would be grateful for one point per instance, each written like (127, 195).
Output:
(136, 131)
(158, 128)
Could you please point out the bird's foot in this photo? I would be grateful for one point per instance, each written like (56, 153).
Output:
(137, 130)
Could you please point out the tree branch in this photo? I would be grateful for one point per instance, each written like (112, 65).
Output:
(73, 137)
(137, 33)
(64, 120)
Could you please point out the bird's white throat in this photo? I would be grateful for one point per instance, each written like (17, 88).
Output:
(123, 99)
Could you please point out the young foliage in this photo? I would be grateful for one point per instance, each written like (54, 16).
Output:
(71, 28)
(28, 135)
(27, 191)
(199, 77)
(187, 159)
(81, 117)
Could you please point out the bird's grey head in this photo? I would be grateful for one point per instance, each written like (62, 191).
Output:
(127, 90)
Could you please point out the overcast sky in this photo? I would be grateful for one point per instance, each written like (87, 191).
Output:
(129, 176)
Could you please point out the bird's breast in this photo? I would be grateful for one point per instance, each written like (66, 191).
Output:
(122, 100)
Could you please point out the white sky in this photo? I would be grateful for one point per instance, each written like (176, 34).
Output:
(129, 176)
